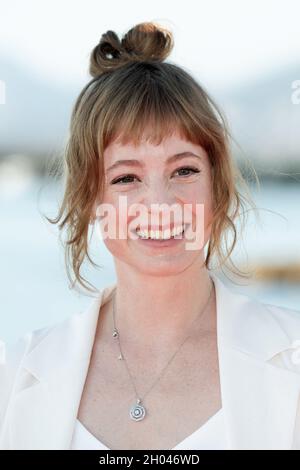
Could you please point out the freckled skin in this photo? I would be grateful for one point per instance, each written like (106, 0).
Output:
(158, 183)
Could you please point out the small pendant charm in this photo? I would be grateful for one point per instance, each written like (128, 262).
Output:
(115, 334)
(120, 357)
(137, 411)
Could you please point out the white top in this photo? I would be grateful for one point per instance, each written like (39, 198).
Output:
(210, 436)
(48, 367)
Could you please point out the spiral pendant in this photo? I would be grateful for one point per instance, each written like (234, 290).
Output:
(137, 411)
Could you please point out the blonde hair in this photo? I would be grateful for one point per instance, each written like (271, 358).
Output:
(134, 89)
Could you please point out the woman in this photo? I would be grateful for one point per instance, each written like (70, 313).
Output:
(168, 357)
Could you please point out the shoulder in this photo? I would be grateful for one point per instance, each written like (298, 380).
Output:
(261, 329)
(13, 355)
(14, 352)
(287, 321)
(252, 309)
(287, 318)
(52, 346)
(65, 334)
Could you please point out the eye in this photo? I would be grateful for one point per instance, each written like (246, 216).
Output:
(122, 179)
(127, 179)
(188, 168)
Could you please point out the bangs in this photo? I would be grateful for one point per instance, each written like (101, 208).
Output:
(151, 113)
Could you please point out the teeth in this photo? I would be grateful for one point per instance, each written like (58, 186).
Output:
(160, 235)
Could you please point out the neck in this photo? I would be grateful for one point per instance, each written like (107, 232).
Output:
(156, 313)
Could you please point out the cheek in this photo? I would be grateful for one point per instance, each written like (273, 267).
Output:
(112, 225)
(197, 197)
(115, 243)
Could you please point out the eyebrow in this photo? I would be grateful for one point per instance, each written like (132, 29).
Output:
(139, 164)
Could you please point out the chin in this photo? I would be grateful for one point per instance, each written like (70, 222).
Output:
(164, 265)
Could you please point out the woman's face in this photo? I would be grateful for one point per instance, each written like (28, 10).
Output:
(152, 176)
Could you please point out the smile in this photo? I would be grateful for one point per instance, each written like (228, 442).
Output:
(160, 234)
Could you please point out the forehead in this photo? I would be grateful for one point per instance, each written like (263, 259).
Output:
(145, 149)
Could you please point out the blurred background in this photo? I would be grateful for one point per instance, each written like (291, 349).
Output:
(245, 54)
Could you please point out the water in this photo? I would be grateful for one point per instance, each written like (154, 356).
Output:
(34, 285)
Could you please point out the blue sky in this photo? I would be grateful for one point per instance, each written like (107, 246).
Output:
(224, 42)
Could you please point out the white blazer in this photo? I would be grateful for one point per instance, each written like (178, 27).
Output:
(259, 363)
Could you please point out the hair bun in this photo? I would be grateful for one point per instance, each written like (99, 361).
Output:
(145, 41)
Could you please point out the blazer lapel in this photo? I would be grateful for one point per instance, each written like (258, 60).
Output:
(45, 405)
(259, 398)
(260, 402)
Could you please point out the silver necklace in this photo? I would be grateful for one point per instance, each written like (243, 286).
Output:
(137, 411)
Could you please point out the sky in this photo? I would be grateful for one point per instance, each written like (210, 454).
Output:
(223, 42)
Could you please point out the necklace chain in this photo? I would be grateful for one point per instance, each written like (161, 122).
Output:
(138, 411)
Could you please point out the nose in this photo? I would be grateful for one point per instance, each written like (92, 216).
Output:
(161, 204)
(158, 192)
